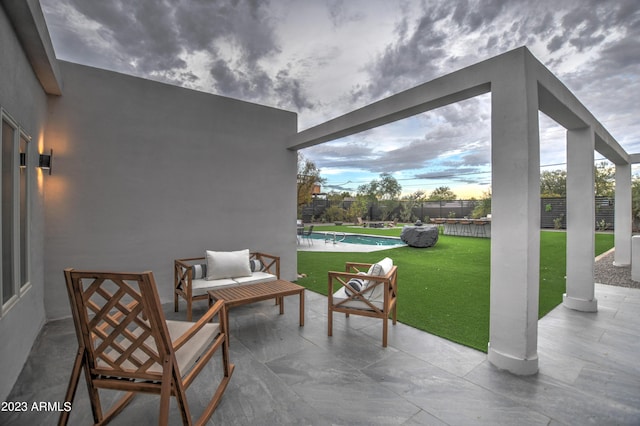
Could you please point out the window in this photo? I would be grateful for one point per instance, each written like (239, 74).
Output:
(14, 214)
(24, 211)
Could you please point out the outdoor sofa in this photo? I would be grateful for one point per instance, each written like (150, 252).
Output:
(193, 277)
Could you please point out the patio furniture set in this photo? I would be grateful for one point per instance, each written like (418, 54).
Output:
(125, 342)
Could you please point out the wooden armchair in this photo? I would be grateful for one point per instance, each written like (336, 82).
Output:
(372, 293)
(125, 343)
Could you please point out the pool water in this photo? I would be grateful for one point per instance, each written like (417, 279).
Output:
(371, 240)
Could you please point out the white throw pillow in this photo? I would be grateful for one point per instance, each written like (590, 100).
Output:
(387, 264)
(227, 264)
(377, 270)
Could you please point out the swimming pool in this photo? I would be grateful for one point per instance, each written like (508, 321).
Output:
(341, 237)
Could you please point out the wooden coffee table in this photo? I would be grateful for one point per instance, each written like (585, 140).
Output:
(250, 293)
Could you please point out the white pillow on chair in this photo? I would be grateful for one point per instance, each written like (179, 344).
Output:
(377, 270)
(386, 264)
(227, 264)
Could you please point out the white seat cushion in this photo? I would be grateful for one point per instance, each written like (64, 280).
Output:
(256, 277)
(186, 356)
(377, 300)
(189, 354)
(202, 286)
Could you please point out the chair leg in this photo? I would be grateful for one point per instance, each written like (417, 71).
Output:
(94, 397)
(330, 322)
(175, 302)
(181, 399)
(208, 411)
(118, 407)
(385, 327)
(73, 385)
(165, 394)
(189, 312)
(228, 371)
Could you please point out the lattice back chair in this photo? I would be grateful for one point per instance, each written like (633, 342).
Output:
(125, 343)
(365, 289)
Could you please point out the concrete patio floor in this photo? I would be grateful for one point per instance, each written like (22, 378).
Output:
(286, 374)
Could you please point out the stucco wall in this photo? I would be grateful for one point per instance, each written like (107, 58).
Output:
(145, 172)
(22, 97)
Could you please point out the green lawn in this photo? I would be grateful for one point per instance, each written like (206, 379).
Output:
(444, 290)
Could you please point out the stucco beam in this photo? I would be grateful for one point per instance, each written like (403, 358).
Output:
(466, 83)
(557, 110)
(634, 158)
(31, 29)
(559, 104)
(388, 110)
(606, 145)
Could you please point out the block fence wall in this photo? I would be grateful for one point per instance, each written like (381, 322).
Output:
(553, 211)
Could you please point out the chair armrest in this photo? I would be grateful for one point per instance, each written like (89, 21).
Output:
(187, 261)
(182, 273)
(270, 262)
(218, 308)
(357, 266)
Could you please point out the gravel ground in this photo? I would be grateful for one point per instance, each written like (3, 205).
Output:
(606, 273)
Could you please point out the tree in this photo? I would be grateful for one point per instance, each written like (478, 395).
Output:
(387, 188)
(442, 193)
(483, 208)
(553, 184)
(418, 196)
(410, 202)
(358, 208)
(308, 177)
(605, 180)
(385, 191)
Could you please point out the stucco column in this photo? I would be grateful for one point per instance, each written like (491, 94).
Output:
(581, 221)
(515, 226)
(623, 219)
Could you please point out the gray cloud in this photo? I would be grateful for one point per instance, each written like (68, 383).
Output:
(340, 13)
(593, 46)
(473, 16)
(151, 38)
(460, 174)
(143, 30)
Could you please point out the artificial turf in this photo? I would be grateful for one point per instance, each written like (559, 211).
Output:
(444, 290)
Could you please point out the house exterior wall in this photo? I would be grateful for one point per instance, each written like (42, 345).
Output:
(23, 98)
(145, 172)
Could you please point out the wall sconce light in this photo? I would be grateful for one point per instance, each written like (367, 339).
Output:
(23, 160)
(45, 160)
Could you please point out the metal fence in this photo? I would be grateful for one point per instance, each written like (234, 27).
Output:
(553, 211)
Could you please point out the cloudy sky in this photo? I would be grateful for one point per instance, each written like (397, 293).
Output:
(324, 58)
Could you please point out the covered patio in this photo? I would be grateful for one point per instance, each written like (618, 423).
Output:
(286, 374)
(147, 172)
